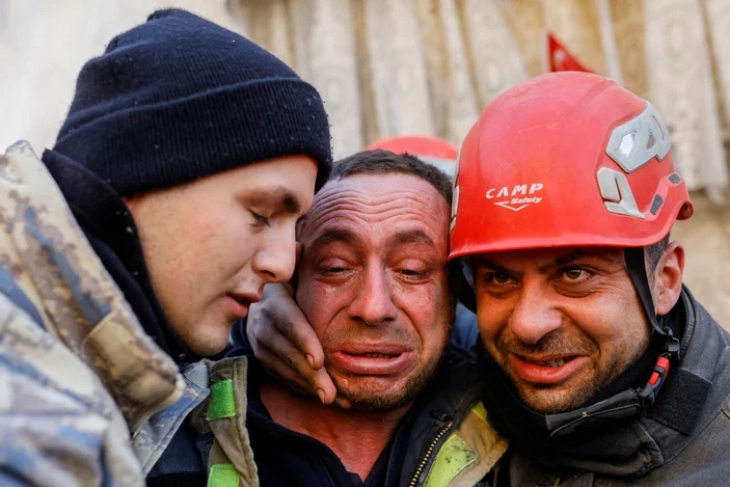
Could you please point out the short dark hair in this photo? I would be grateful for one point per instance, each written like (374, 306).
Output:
(386, 162)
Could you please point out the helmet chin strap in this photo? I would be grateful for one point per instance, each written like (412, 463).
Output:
(632, 399)
(636, 265)
(465, 291)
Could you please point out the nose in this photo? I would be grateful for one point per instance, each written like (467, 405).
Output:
(534, 315)
(276, 258)
(373, 304)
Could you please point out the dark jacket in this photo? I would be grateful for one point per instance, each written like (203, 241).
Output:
(683, 440)
(444, 440)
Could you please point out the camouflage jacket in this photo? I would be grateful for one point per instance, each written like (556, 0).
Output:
(79, 377)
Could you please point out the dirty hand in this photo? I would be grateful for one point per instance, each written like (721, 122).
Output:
(285, 343)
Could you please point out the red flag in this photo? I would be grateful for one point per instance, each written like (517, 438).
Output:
(560, 59)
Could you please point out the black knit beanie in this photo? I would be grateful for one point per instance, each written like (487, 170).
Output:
(178, 98)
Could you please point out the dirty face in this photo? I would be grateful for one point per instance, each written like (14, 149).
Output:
(373, 283)
(562, 323)
(212, 244)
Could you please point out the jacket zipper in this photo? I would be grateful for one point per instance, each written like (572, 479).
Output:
(429, 452)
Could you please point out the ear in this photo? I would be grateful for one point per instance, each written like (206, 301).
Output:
(667, 279)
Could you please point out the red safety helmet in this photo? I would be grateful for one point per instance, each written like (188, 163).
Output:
(565, 159)
(432, 150)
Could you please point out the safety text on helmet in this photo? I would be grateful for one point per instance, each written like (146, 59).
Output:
(517, 197)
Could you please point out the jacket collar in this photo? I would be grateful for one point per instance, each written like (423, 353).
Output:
(442, 408)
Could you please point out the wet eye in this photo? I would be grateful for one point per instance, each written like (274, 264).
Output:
(332, 267)
(332, 270)
(412, 274)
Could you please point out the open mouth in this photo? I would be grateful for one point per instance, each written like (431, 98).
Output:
(551, 363)
(241, 300)
(238, 305)
(552, 371)
(375, 355)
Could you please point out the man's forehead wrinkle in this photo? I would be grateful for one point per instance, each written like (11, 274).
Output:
(382, 207)
(370, 230)
(369, 198)
(378, 221)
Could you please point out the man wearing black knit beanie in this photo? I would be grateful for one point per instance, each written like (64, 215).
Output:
(127, 252)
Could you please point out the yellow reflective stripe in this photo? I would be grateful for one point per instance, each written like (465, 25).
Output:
(222, 401)
(223, 475)
(480, 411)
(453, 457)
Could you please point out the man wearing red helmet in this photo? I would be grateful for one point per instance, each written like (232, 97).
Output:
(599, 366)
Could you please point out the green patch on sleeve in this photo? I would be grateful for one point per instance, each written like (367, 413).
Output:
(222, 402)
(223, 475)
(453, 457)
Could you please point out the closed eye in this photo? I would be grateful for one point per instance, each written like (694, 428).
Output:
(411, 273)
(333, 270)
(260, 219)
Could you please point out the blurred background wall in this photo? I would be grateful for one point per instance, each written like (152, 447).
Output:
(389, 67)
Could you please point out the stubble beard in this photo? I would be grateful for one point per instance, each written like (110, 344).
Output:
(551, 399)
(369, 401)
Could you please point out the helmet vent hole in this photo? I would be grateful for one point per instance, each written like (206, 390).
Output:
(650, 143)
(656, 204)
